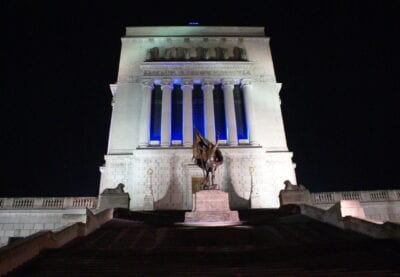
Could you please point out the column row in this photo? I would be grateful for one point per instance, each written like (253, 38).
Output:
(187, 112)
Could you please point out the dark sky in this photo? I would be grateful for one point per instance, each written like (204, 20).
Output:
(338, 62)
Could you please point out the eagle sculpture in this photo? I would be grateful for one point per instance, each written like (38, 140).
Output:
(208, 157)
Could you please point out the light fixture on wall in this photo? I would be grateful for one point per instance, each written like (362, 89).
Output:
(150, 173)
(251, 171)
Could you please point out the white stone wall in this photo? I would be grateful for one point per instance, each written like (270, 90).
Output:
(162, 178)
(378, 211)
(124, 128)
(269, 123)
(25, 222)
(382, 211)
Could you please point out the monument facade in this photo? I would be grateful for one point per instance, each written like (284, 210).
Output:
(172, 81)
(217, 80)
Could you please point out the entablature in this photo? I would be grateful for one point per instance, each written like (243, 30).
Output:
(197, 69)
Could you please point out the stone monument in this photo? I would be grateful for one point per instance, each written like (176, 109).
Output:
(210, 205)
(294, 194)
(219, 80)
(114, 198)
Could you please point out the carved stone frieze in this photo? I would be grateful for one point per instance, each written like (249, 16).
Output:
(211, 69)
(138, 79)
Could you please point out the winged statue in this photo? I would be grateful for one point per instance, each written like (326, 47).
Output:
(208, 157)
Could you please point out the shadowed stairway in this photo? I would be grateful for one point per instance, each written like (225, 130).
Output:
(272, 242)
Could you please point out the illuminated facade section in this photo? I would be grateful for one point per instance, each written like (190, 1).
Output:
(219, 80)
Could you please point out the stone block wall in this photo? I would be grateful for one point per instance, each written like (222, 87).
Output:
(25, 222)
(162, 178)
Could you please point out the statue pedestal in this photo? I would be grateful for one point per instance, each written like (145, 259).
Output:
(211, 208)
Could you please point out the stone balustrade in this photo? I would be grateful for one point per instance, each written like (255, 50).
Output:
(48, 203)
(362, 196)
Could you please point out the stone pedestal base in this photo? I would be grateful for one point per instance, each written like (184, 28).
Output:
(114, 201)
(211, 206)
(302, 196)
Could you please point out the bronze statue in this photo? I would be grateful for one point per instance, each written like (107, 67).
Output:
(208, 157)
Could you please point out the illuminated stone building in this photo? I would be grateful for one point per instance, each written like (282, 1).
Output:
(171, 80)
(219, 80)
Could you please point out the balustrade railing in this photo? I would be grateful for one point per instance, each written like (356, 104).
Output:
(362, 196)
(48, 203)
(323, 197)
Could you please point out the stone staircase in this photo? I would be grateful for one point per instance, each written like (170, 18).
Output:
(273, 242)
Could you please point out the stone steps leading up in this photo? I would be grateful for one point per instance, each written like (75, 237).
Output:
(282, 245)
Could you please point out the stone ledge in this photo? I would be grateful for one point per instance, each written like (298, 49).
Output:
(210, 201)
(192, 31)
(208, 216)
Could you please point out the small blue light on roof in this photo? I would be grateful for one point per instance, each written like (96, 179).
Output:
(193, 23)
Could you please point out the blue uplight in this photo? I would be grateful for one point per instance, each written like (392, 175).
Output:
(193, 23)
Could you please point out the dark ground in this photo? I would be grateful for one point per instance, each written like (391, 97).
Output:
(273, 242)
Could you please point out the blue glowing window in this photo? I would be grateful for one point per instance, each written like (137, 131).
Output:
(240, 113)
(155, 122)
(198, 108)
(219, 113)
(176, 113)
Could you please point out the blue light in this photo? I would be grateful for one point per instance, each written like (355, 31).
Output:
(198, 108)
(155, 122)
(176, 112)
(193, 23)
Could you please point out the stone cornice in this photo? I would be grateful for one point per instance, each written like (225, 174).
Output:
(192, 40)
(126, 79)
(192, 31)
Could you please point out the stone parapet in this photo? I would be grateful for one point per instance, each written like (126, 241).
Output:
(48, 203)
(362, 196)
(349, 215)
(379, 205)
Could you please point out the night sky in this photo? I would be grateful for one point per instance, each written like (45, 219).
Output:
(338, 62)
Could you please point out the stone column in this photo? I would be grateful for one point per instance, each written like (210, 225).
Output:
(166, 113)
(249, 110)
(208, 87)
(145, 115)
(230, 115)
(187, 87)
